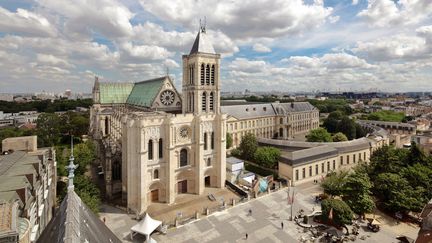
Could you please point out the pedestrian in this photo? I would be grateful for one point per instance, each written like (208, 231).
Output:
(250, 212)
(282, 225)
(104, 219)
(246, 236)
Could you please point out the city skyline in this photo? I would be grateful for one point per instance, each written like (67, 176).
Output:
(266, 45)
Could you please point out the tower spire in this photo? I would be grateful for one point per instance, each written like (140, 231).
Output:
(71, 168)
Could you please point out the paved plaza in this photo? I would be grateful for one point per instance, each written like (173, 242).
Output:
(263, 225)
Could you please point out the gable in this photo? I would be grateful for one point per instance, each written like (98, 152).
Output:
(163, 100)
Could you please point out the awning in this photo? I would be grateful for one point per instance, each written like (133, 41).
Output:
(145, 227)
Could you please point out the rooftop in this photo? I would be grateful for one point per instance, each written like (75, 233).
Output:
(202, 44)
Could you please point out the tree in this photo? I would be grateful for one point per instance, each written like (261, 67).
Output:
(88, 192)
(339, 137)
(48, 129)
(318, 135)
(248, 146)
(334, 183)
(267, 156)
(347, 126)
(357, 193)
(84, 154)
(229, 140)
(396, 195)
(336, 211)
(332, 121)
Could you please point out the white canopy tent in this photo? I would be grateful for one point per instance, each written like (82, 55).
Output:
(145, 227)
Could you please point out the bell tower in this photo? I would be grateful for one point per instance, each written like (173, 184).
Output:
(201, 86)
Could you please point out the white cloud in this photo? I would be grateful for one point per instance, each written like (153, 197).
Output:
(258, 47)
(25, 22)
(355, 2)
(106, 17)
(243, 19)
(398, 47)
(384, 13)
(143, 52)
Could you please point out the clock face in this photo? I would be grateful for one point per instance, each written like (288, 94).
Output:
(184, 132)
(167, 97)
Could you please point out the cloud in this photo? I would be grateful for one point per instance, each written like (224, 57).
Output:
(246, 19)
(136, 53)
(398, 47)
(106, 17)
(25, 22)
(258, 47)
(384, 13)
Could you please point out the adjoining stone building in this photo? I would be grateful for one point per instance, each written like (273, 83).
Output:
(27, 187)
(302, 162)
(157, 143)
(271, 120)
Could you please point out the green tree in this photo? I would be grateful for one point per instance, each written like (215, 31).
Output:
(229, 140)
(267, 156)
(318, 135)
(334, 183)
(357, 193)
(248, 146)
(332, 121)
(84, 154)
(396, 194)
(339, 137)
(336, 211)
(48, 129)
(88, 192)
(347, 126)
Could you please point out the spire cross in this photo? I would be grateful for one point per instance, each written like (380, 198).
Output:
(71, 168)
(203, 25)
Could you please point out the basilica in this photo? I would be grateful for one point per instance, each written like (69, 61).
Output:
(156, 142)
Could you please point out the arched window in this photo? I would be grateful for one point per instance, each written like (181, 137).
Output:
(205, 141)
(106, 126)
(213, 74)
(281, 120)
(183, 157)
(208, 74)
(208, 162)
(150, 149)
(160, 148)
(202, 73)
(211, 101)
(212, 143)
(156, 174)
(281, 132)
(204, 102)
(116, 171)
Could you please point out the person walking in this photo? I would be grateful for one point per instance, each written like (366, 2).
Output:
(250, 212)
(282, 225)
(246, 236)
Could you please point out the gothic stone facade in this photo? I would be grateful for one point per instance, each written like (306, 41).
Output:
(156, 143)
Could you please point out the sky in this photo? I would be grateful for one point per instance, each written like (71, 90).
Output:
(266, 45)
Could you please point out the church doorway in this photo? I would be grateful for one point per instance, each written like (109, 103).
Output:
(154, 195)
(207, 181)
(182, 186)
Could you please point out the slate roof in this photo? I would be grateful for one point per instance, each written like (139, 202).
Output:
(144, 92)
(251, 110)
(75, 222)
(202, 44)
(114, 93)
(308, 155)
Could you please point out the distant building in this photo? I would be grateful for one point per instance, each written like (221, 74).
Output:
(6, 97)
(27, 186)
